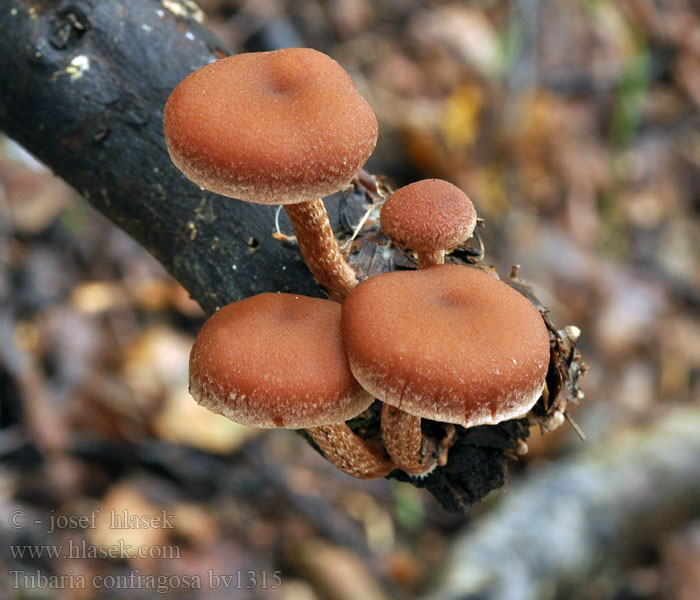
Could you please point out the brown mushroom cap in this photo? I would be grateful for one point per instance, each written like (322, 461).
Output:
(276, 360)
(448, 343)
(428, 215)
(270, 127)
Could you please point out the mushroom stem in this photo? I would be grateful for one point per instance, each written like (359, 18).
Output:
(349, 453)
(430, 258)
(401, 431)
(320, 250)
(405, 443)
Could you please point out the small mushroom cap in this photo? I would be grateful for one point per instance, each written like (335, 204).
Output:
(448, 343)
(428, 215)
(270, 127)
(276, 360)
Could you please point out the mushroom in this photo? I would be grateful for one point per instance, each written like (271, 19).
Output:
(428, 216)
(448, 343)
(277, 360)
(284, 127)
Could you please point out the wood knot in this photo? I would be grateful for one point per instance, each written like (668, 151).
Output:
(68, 25)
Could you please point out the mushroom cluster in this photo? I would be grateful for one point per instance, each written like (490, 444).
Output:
(447, 342)
(277, 360)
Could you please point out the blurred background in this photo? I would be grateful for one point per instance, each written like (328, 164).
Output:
(574, 127)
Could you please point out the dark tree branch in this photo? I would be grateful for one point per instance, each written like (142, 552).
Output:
(82, 86)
